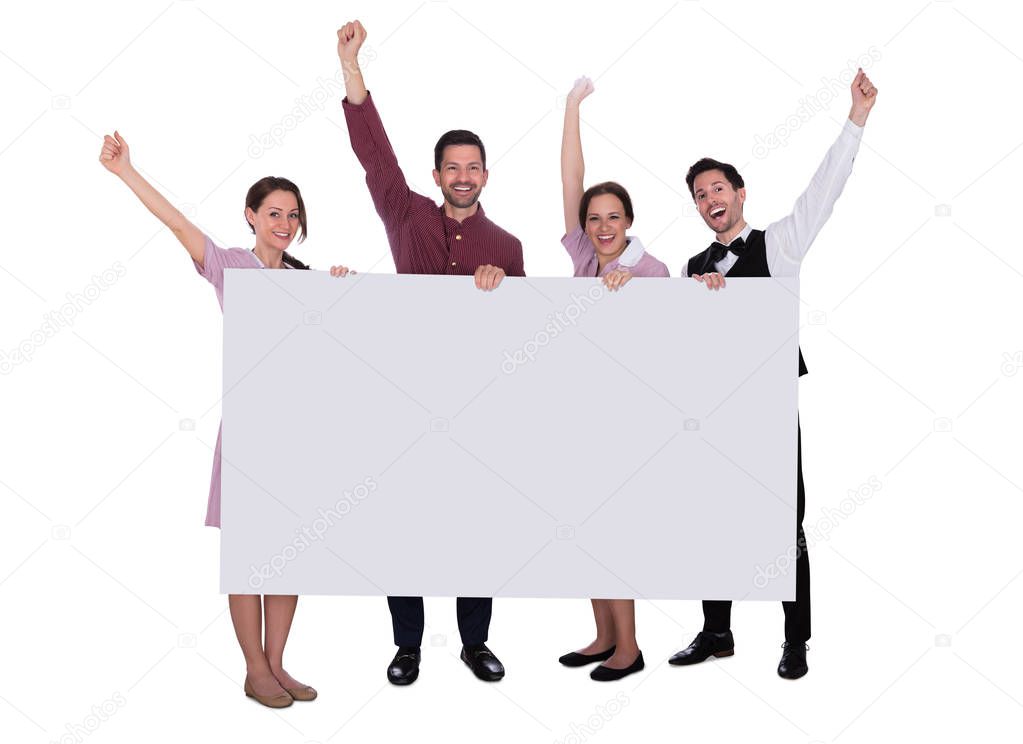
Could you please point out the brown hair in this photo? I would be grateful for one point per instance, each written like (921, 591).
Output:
(607, 187)
(262, 189)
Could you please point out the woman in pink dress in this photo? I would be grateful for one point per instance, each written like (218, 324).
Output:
(596, 221)
(276, 215)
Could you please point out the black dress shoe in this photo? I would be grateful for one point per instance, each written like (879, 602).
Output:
(607, 674)
(404, 668)
(793, 661)
(705, 645)
(483, 663)
(575, 659)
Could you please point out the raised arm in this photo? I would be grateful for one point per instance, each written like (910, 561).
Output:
(573, 168)
(388, 187)
(115, 158)
(349, 41)
(789, 239)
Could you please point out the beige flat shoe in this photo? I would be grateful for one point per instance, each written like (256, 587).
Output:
(304, 693)
(283, 700)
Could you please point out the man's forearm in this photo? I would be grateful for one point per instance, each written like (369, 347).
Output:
(350, 38)
(355, 86)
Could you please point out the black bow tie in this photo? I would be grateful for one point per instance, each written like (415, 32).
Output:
(719, 251)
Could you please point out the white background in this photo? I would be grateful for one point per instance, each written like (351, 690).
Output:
(107, 579)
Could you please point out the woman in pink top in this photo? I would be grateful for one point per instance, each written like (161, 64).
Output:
(276, 215)
(595, 237)
(596, 220)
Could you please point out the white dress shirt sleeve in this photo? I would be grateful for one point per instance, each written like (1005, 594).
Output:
(790, 238)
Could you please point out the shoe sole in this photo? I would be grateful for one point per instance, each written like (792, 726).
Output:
(250, 696)
(403, 681)
(578, 660)
(616, 677)
(717, 655)
(576, 663)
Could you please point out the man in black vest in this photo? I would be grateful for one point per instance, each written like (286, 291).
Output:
(739, 250)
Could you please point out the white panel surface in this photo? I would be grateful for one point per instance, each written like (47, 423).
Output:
(411, 435)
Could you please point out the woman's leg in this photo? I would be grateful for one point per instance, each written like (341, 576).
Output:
(605, 627)
(247, 616)
(280, 611)
(623, 614)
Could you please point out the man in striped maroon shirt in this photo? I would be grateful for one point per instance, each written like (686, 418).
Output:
(455, 238)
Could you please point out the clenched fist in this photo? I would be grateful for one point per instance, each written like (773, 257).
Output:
(864, 96)
(114, 156)
(582, 88)
(349, 41)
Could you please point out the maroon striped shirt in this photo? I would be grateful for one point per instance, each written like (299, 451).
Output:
(423, 239)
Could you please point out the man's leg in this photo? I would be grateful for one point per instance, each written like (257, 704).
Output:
(797, 614)
(474, 619)
(473, 626)
(717, 615)
(407, 620)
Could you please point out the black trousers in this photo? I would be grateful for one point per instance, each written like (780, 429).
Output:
(408, 622)
(717, 614)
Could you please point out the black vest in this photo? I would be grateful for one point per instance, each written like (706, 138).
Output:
(753, 262)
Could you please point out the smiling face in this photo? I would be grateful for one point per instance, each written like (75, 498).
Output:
(719, 203)
(606, 223)
(461, 176)
(276, 221)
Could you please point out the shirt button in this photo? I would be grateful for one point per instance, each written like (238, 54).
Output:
(453, 263)
(458, 237)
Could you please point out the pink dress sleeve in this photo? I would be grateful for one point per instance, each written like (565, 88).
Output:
(579, 248)
(649, 266)
(216, 259)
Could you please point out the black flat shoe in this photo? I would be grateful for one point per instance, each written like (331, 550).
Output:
(607, 674)
(483, 662)
(793, 661)
(705, 645)
(576, 659)
(404, 667)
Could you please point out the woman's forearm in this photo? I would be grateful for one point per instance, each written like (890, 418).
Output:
(188, 234)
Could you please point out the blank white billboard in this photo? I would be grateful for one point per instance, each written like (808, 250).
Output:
(412, 435)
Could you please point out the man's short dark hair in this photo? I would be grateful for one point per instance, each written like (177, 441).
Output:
(457, 137)
(707, 164)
